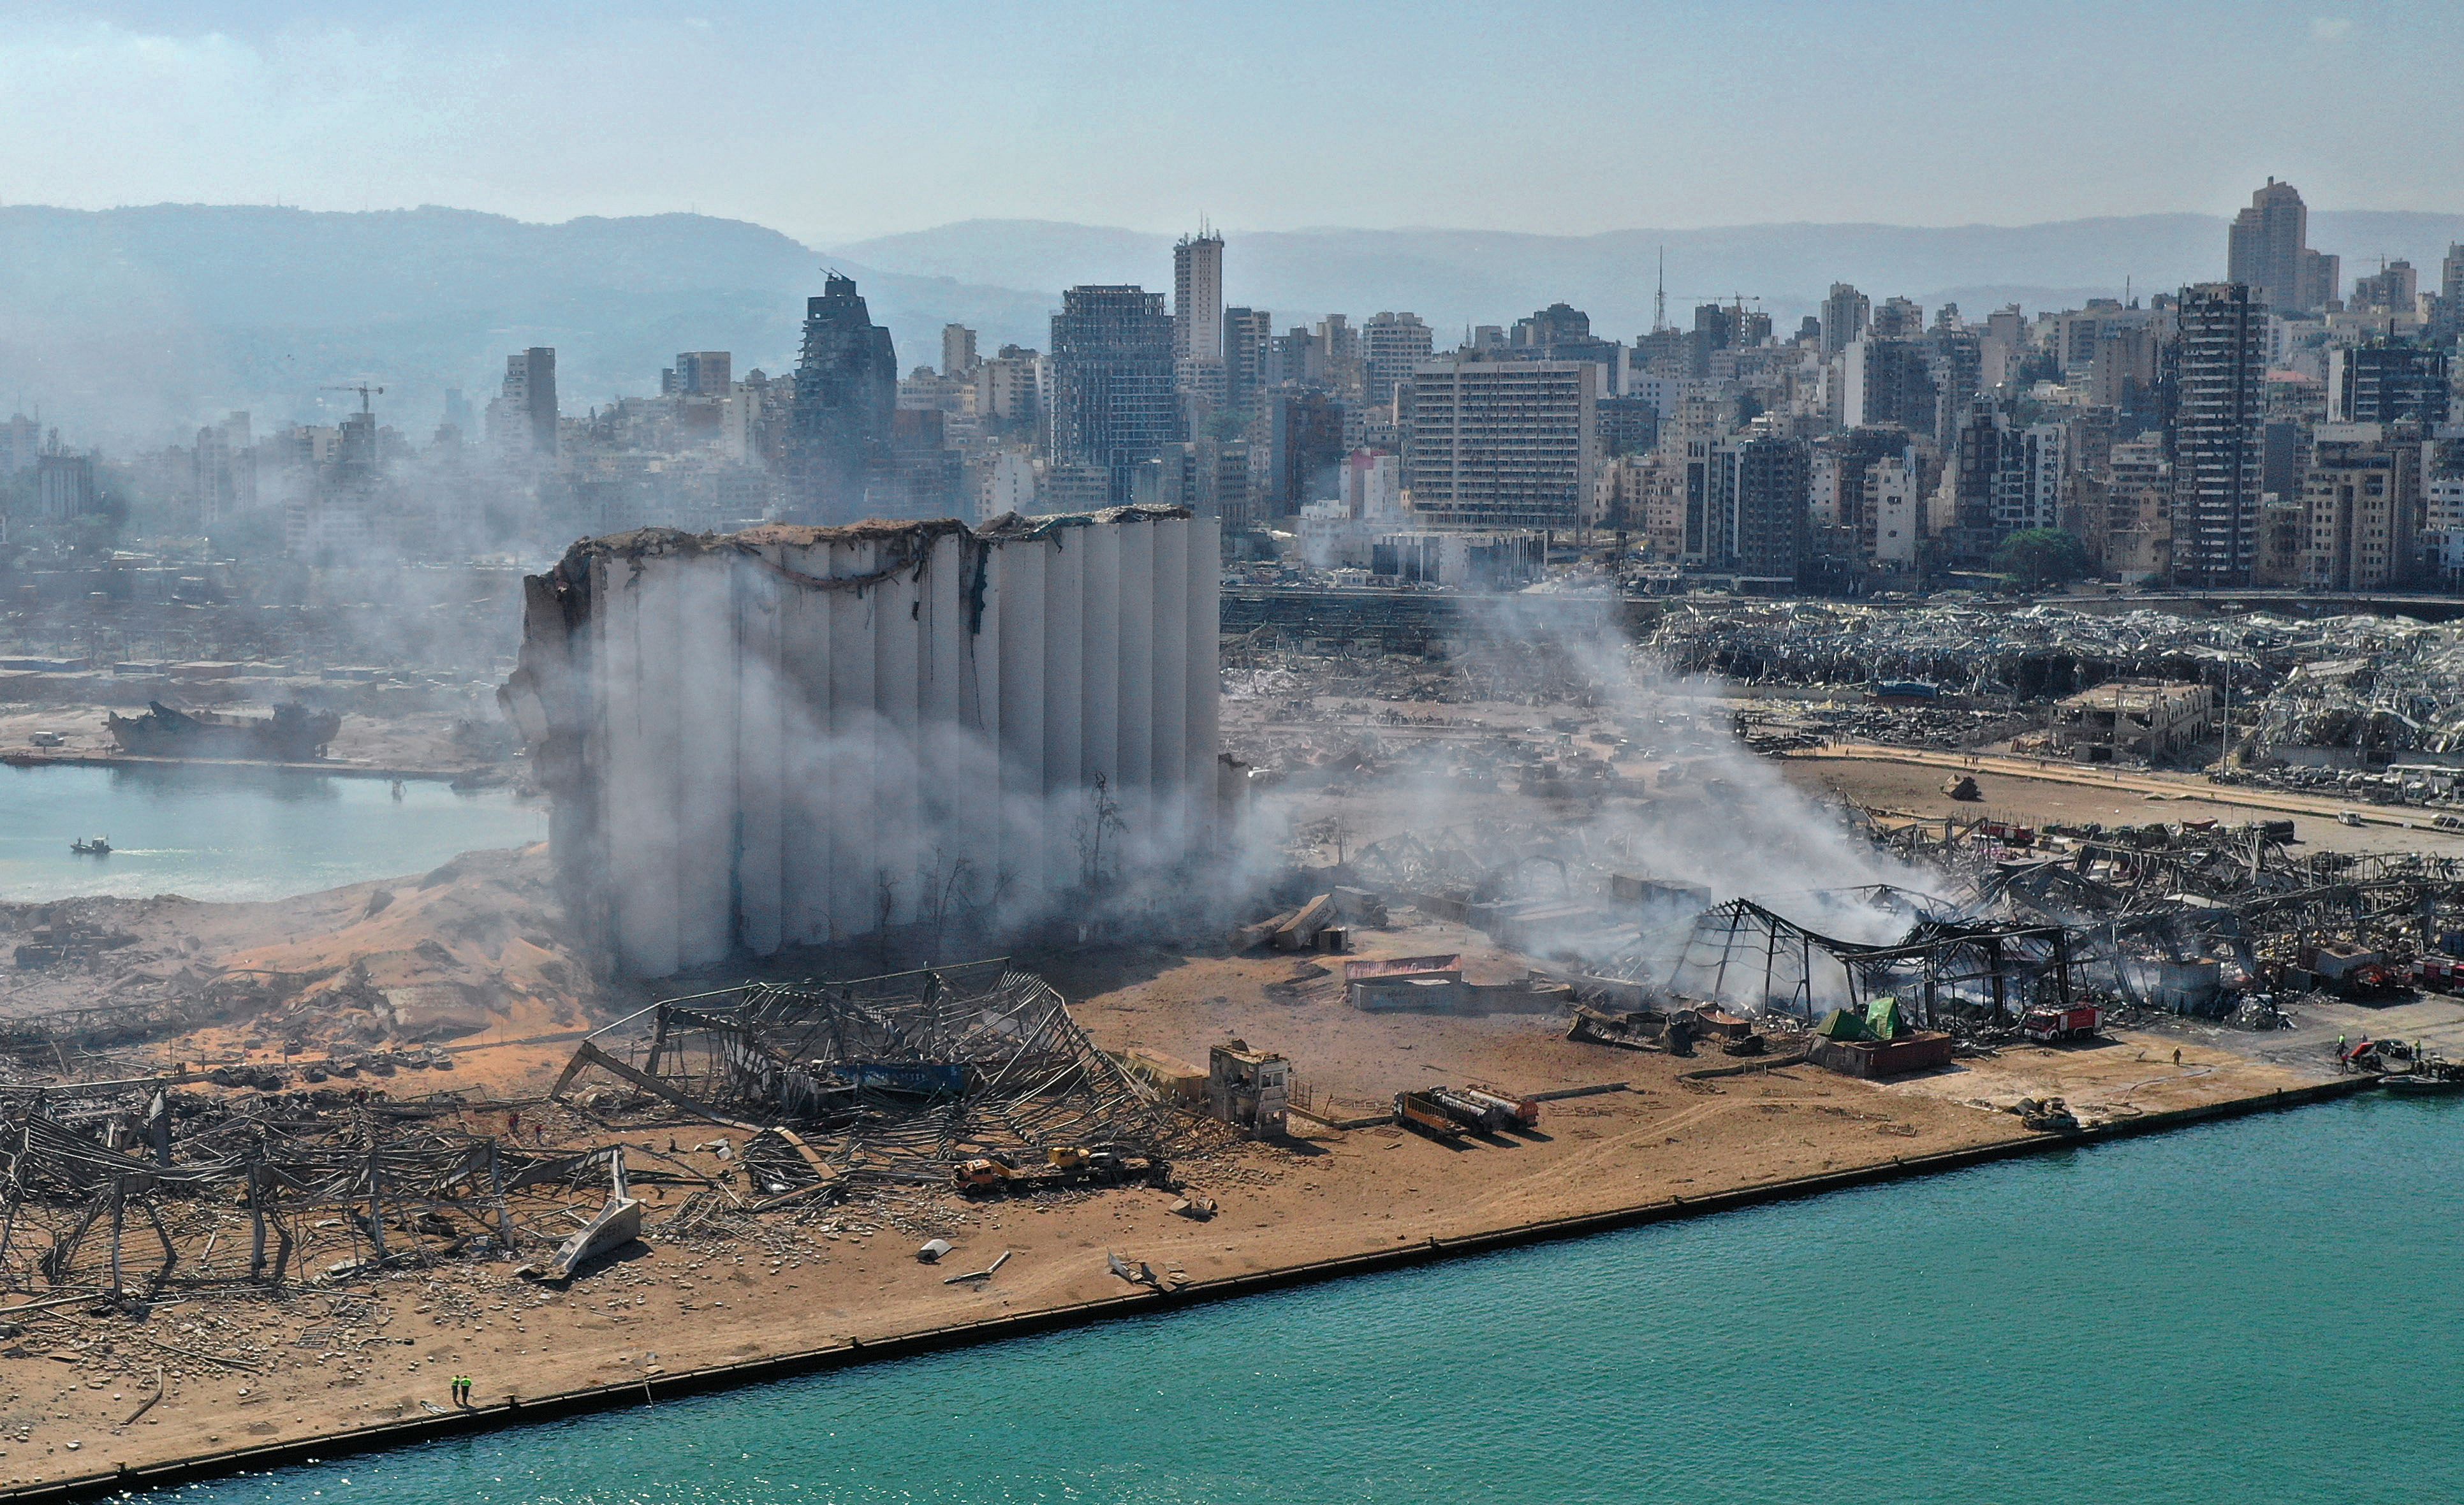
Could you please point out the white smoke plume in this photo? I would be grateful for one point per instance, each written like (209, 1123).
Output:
(1730, 823)
(1765, 838)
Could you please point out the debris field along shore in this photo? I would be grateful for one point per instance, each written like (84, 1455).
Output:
(705, 1289)
(1525, 931)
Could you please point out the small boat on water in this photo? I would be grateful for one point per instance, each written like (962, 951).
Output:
(2423, 1082)
(97, 846)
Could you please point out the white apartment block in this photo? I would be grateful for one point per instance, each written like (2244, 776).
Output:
(1502, 444)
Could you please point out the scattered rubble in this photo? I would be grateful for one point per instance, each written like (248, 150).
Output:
(888, 1081)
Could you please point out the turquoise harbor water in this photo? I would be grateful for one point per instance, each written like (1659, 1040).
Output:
(2259, 1312)
(236, 834)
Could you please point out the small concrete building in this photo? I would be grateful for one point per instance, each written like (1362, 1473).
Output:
(2133, 723)
(1250, 1089)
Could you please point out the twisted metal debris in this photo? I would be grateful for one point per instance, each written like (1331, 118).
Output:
(2193, 919)
(129, 1189)
(887, 1080)
(2368, 683)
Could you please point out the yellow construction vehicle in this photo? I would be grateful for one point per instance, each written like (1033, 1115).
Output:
(980, 1175)
(1064, 1164)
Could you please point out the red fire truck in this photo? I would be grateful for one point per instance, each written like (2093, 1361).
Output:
(2049, 1025)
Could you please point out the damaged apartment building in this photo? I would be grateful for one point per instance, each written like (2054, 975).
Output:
(805, 736)
(2142, 723)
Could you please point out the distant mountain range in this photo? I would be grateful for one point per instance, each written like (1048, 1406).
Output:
(132, 324)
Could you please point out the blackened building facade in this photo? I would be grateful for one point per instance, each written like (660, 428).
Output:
(847, 388)
(1114, 399)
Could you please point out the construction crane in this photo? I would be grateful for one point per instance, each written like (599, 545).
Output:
(361, 387)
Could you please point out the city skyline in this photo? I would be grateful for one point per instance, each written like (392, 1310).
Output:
(875, 122)
(1881, 441)
(234, 280)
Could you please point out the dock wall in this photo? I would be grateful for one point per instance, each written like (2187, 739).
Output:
(513, 1412)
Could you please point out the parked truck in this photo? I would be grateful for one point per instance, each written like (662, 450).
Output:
(1524, 1112)
(2045, 1025)
(1423, 1112)
(981, 1173)
(1064, 1165)
(1476, 1111)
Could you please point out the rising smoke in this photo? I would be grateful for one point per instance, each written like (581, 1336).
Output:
(1743, 831)
(1722, 818)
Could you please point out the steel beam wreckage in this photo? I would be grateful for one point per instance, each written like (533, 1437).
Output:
(123, 1192)
(886, 1081)
(2226, 922)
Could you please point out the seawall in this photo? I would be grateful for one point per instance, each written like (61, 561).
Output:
(517, 1411)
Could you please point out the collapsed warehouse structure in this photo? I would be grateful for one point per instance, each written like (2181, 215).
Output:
(132, 1190)
(1946, 968)
(2341, 692)
(2188, 919)
(2197, 920)
(806, 736)
(2224, 922)
(889, 1080)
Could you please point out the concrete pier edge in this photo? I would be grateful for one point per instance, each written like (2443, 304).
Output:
(518, 1411)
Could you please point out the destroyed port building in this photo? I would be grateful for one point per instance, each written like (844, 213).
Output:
(891, 1080)
(805, 736)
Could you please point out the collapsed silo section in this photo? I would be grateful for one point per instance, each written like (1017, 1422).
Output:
(797, 736)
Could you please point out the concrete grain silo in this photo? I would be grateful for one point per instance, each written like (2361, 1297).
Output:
(803, 736)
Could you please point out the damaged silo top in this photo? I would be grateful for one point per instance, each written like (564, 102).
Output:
(802, 735)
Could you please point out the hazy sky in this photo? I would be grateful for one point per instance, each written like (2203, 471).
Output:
(837, 121)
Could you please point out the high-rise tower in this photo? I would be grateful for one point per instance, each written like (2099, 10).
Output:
(2219, 407)
(847, 388)
(1198, 336)
(1197, 297)
(539, 388)
(1248, 338)
(523, 416)
(1845, 314)
(2447, 317)
(1392, 345)
(1113, 404)
(2268, 251)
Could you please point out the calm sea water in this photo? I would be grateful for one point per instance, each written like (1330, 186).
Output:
(2264, 1311)
(224, 833)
